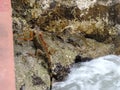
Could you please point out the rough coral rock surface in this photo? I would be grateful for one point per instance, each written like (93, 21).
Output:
(68, 29)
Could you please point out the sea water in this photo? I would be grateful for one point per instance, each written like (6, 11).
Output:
(102, 73)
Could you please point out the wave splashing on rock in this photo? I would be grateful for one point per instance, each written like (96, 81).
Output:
(102, 73)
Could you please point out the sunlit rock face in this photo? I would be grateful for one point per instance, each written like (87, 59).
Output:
(99, 74)
(85, 4)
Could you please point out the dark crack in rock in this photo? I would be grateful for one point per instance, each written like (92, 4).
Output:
(60, 72)
(22, 87)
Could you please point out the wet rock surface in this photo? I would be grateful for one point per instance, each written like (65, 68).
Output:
(60, 72)
(78, 59)
(71, 34)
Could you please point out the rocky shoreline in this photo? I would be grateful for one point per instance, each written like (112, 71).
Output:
(67, 31)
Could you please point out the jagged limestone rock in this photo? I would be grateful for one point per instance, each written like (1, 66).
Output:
(68, 31)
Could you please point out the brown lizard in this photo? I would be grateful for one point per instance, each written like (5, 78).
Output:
(42, 46)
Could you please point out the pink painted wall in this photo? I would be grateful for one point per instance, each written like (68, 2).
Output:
(7, 75)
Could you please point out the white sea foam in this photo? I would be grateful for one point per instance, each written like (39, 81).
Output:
(99, 74)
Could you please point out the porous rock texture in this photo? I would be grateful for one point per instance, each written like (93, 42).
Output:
(68, 29)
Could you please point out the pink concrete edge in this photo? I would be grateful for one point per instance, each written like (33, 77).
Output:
(7, 69)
